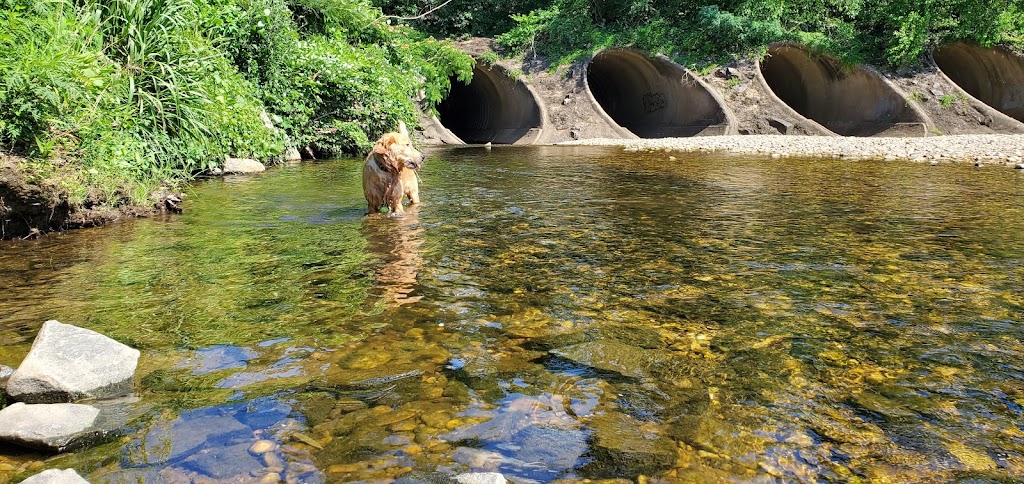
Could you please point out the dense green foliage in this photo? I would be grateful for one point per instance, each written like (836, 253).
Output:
(115, 97)
(894, 32)
(333, 74)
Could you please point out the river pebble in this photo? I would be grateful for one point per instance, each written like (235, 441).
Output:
(271, 478)
(986, 149)
(262, 447)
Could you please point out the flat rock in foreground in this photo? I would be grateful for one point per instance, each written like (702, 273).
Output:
(55, 427)
(68, 363)
(56, 476)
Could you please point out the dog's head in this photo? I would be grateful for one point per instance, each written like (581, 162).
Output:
(395, 151)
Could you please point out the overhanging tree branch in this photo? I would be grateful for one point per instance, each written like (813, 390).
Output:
(396, 17)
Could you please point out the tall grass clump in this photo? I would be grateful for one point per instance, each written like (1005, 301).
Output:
(113, 98)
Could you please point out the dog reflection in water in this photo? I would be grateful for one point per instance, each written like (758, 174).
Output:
(396, 241)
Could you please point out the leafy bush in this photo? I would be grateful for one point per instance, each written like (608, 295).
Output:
(333, 74)
(704, 32)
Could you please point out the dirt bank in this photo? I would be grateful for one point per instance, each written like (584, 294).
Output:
(986, 149)
(29, 208)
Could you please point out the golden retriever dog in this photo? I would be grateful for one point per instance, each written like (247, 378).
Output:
(389, 173)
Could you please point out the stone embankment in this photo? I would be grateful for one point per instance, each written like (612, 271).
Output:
(982, 149)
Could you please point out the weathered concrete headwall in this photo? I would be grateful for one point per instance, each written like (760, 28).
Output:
(493, 108)
(628, 94)
(993, 77)
(850, 101)
(653, 97)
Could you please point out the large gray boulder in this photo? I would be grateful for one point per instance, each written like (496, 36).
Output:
(56, 476)
(243, 166)
(68, 363)
(54, 427)
(292, 154)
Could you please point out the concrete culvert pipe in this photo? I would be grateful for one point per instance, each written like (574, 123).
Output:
(993, 76)
(653, 97)
(847, 101)
(492, 108)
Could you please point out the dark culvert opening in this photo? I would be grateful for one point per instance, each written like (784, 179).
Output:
(652, 97)
(847, 101)
(492, 108)
(993, 76)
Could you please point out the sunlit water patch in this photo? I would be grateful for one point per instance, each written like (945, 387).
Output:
(556, 314)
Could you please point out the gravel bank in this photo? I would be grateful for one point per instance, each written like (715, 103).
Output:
(986, 149)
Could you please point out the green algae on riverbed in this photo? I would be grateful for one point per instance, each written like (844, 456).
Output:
(558, 313)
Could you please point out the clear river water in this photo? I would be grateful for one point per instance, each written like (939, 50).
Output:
(555, 314)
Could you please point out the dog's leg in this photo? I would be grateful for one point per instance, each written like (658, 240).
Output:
(396, 207)
(414, 194)
(411, 186)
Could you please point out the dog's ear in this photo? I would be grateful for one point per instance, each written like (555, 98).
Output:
(382, 151)
(402, 129)
(381, 146)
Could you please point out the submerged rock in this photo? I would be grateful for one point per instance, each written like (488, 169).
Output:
(243, 166)
(56, 476)
(613, 356)
(55, 427)
(481, 478)
(223, 462)
(625, 446)
(176, 440)
(478, 458)
(68, 363)
(417, 477)
(553, 448)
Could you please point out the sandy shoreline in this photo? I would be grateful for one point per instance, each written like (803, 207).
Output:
(984, 149)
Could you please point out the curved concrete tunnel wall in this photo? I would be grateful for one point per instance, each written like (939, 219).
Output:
(493, 108)
(853, 102)
(993, 76)
(653, 97)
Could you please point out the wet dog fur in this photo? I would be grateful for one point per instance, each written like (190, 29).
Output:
(389, 173)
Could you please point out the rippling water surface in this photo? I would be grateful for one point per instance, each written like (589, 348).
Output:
(556, 313)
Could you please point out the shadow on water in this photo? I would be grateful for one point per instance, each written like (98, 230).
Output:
(556, 313)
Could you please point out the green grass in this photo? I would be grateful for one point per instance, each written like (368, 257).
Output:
(947, 101)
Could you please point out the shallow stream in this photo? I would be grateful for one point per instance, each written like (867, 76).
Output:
(556, 313)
